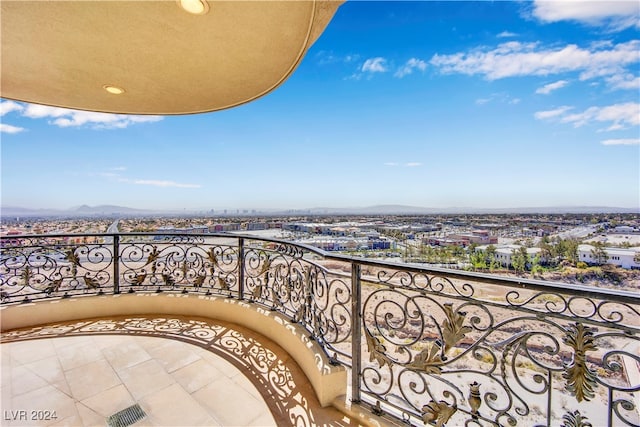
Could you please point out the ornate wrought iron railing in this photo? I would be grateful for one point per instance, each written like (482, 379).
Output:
(424, 345)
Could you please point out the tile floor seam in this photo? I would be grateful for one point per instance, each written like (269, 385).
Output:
(62, 391)
(82, 365)
(98, 392)
(144, 396)
(123, 380)
(79, 402)
(66, 380)
(127, 366)
(116, 372)
(198, 389)
(30, 390)
(188, 364)
(52, 384)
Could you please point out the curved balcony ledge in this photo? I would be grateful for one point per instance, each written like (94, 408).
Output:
(328, 381)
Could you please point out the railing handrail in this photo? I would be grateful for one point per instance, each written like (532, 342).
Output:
(494, 279)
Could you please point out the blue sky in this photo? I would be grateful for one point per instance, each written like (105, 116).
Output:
(434, 104)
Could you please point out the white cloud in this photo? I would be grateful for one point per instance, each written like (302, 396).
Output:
(513, 59)
(64, 117)
(548, 88)
(620, 116)
(4, 128)
(506, 34)
(36, 111)
(391, 164)
(624, 81)
(617, 15)
(374, 65)
(157, 183)
(328, 57)
(629, 141)
(325, 57)
(9, 106)
(114, 174)
(411, 64)
(5, 108)
(501, 97)
(549, 114)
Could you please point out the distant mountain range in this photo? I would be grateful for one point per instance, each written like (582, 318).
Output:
(108, 209)
(84, 210)
(121, 211)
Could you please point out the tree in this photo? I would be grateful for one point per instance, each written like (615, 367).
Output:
(457, 251)
(477, 260)
(491, 259)
(536, 268)
(546, 251)
(566, 249)
(599, 254)
(571, 250)
(494, 264)
(430, 254)
(518, 260)
(490, 254)
(443, 254)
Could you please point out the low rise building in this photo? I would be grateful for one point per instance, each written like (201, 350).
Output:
(253, 226)
(621, 257)
(478, 237)
(231, 226)
(624, 229)
(504, 253)
(350, 244)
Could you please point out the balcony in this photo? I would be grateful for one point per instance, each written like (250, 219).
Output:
(390, 343)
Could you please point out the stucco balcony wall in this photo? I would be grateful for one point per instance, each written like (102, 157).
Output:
(328, 381)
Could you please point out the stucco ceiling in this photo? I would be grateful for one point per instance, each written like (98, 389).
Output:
(168, 61)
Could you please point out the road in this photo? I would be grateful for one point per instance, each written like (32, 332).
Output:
(113, 228)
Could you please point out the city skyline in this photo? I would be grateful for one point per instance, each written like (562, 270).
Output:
(431, 104)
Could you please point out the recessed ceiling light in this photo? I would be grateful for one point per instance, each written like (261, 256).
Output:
(115, 90)
(196, 7)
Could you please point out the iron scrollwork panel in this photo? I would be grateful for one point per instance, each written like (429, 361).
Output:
(41, 267)
(179, 263)
(439, 352)
(282, 279)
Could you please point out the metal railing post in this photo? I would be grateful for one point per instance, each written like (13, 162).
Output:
(116, 264)
(240, 268)
(356, 320)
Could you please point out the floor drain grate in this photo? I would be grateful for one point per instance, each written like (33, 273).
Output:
(126, 417)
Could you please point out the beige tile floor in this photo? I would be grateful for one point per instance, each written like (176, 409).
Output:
(85, 379)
